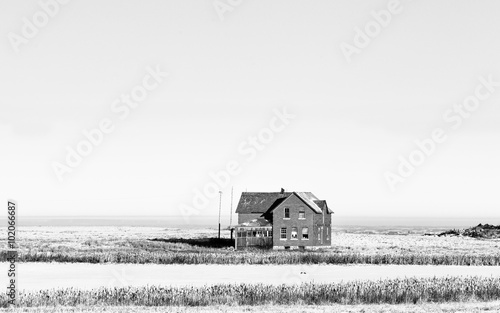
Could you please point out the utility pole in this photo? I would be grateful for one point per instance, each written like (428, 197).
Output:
(231, 210)
(220, 206)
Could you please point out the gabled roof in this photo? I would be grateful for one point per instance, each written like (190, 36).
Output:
(259, 202)
(322, 205)
(266, 202)
(308, 198)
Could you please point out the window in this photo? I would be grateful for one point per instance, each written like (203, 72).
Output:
(302, 214)
(283, 233)
(305, 233)
(328, 233)
(242, 234)
(287, 213)
(249, 233)
(294, 233)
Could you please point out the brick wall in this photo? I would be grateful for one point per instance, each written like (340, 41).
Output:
(294, 204)
(322, 224)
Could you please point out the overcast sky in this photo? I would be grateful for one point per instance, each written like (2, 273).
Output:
(229, 70)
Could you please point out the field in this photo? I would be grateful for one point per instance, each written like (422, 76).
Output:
(141, 245)
(363, 308)
(398, 291)
(194, 246)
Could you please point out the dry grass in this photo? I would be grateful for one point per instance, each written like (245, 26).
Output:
(134, 245)
(382, 244)
(390, 291)
(377, 308)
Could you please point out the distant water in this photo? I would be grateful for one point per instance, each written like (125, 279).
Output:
(349, 222)
(137, 221)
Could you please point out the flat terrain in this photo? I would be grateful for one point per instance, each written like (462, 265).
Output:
(383, 308)
(174, 245)
(37, 276)
(122, 252)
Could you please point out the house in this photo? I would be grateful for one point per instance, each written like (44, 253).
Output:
(282, 220)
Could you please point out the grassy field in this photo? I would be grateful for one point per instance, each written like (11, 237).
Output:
(396, 291)
(192, 246)
(372, 308)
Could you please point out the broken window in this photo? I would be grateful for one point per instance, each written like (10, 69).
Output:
(294, 233)
(302, 214)
(305, 233)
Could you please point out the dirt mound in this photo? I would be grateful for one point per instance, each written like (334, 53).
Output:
(485, 231)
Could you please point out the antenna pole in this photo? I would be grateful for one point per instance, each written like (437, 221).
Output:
(220, 206)
(231, 210)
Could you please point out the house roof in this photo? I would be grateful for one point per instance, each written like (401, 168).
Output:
(259, 202)
(310, 199)
(323, 206)
(262, 202)
(258, 222)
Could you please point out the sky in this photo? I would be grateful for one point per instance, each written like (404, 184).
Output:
(322, 96)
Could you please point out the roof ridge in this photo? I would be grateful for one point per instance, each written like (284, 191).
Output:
(306, 201)
(266, 192)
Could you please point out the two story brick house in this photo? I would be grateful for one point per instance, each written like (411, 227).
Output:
(297, 219)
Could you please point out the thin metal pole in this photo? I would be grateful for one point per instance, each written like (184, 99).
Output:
(220, 206)
(231, 210)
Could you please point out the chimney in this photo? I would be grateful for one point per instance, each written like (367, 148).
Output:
(282, 190)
